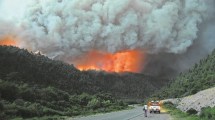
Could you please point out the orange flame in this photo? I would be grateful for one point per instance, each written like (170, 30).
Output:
(124, 61)
(8, 41)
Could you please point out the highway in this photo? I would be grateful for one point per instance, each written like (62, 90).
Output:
(132, 114)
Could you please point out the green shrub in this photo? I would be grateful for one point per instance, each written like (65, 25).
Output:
(208, 113)
(3, 116)
(19, 102)
(74, 112)
(8, 91)
(49, 112)
(83, 99)
(1, 106)
(106, 103)
(169, 104)
(29, 94)
(94, 103)
(192, 111)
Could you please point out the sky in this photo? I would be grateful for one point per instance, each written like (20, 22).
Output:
(13, 9)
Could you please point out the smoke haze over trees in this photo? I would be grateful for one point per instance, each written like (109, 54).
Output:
(200, 77)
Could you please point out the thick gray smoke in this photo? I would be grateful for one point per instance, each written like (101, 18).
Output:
(66, 29)
(169, 65)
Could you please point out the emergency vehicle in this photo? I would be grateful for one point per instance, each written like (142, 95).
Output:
(154, 106)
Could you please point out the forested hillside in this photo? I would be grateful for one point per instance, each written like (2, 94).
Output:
(34, 85)
(200, 77)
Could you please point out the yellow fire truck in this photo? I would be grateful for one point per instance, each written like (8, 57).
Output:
(154, 106)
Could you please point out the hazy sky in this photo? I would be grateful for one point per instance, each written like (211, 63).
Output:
(13, 9)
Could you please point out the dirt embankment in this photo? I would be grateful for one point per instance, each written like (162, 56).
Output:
(197, 101)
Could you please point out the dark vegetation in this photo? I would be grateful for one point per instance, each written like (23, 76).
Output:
(178, 114)
(207, 113)
(32, 85)
(26, 101)
(200, 77)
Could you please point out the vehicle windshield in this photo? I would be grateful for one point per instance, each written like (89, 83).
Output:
(155, 104)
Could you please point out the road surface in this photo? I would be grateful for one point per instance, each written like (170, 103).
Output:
(133, 114)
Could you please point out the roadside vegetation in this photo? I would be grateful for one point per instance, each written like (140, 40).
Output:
(27, 101)
(206, 114)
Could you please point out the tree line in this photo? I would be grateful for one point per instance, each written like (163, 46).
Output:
(200, 77)
(33, 85)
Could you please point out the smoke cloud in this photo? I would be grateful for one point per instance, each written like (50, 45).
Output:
(67, 29)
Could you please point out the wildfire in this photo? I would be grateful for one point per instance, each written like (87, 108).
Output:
(124, 61)
(8, 41)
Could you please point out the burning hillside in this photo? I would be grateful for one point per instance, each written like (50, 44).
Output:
(124, 61)
(8, 41)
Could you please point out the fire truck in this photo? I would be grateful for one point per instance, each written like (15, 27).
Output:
(154, 106)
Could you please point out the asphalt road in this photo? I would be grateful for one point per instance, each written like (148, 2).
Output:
(133, 114)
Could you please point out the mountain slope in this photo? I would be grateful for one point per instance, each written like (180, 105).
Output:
(200, 77)
(34, 85)
(20, 65)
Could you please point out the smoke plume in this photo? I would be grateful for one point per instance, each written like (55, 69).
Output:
(169, 31)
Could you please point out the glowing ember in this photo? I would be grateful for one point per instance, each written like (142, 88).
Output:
(124, 61)
(9, 41)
